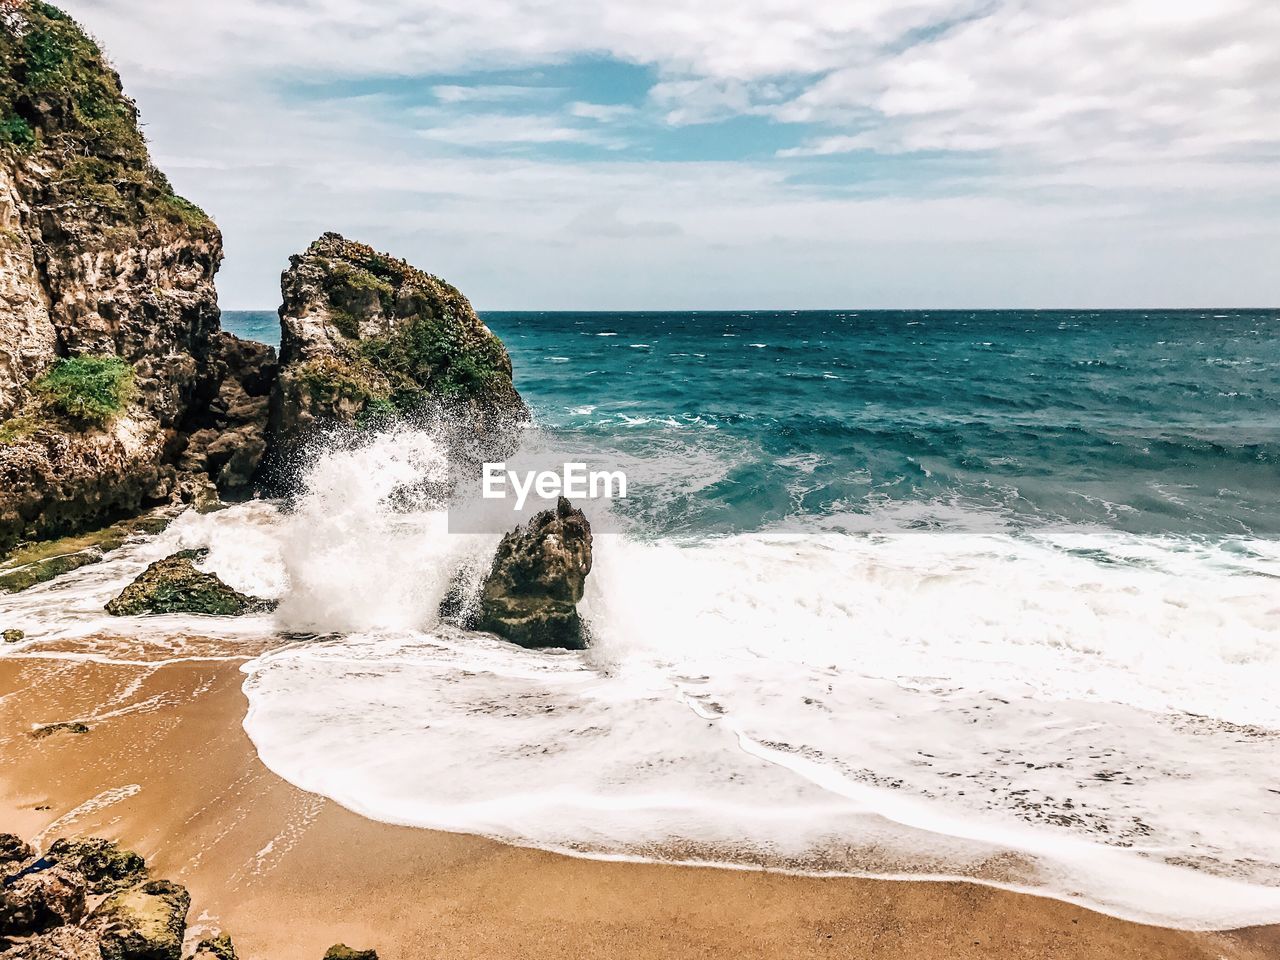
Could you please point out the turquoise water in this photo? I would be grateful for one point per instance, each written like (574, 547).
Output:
(1145, 422)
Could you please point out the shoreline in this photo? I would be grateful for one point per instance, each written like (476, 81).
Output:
(167, 769)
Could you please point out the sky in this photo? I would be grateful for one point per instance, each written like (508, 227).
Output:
(703, 154)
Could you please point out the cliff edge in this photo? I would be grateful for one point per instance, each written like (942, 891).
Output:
(114, 374)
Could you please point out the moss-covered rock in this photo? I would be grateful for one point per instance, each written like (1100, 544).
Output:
(367, 336)
(340, 951)
(40, 571)
(176, 585)
(215, 948)
(143, 922)
(104, 865)
(13, 636)
(92, 389)
(58, 93)
(35, 563)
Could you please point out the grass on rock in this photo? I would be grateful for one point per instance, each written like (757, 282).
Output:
(89, 389)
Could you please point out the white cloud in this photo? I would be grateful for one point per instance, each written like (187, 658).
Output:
(993, 74)
(488, 93)
(601, 112)
(494, 129)
(1114, 136)
(1096, 77)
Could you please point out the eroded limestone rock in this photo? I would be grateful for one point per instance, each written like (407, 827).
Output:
(41, 900)
(538, 576)
(340, 951)
(142, 922)
(61, 943)
(365, 335)
(104, 865)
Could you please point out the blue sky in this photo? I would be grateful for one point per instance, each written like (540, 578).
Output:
(574, 154)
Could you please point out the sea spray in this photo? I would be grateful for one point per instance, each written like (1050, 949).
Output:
(366, 545)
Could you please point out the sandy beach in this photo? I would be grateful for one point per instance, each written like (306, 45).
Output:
(167, 769)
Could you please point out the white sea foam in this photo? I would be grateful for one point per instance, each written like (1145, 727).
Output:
(1091, 716)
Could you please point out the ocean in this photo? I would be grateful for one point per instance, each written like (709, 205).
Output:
(1161, 423)
(992, 595)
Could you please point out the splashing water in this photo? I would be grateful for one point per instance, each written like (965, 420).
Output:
(355, 562)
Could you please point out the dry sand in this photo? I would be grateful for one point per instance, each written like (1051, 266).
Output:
(167, 770)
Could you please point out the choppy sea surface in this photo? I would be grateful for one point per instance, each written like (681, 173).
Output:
(951, 594)
(1148, 423)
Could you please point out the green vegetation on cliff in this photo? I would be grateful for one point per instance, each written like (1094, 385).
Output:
(58, 95)
(89, 389)
(425, 350)
(429, 338)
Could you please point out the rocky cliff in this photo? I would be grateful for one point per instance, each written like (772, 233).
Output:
(365, 335)
(111, 356)
(118, 389)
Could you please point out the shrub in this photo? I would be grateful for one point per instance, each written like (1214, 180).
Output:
(178, 209)
(93, 389)
(330, 379)
(427, 352)
(17, 131)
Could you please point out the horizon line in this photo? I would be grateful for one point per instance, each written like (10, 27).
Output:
(651, 310)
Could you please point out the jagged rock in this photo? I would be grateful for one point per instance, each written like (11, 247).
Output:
(105, 867)
(364, 334)
(49, 730)
(538, 576)
(13, 636)
(227, 439)
(99, 260)
(62, 943)
(215, 948)
(39, 900)
(60, 480)
(340, 951)
(13, 852)
(175, 585)
(142, 922)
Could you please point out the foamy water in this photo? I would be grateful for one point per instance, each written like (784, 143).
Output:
(1089, 716)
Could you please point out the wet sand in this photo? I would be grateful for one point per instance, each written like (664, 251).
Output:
(167, 769)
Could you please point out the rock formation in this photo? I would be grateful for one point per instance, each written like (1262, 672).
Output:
(110, 349)
(105, 867)
(61, 943)
(48, 730)
(142, 922)
(40, 562)
(119, 392)
(538, 576)
(365, 335)
(43, 902)
(215, 948)
(176, 585)
(340, 951)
